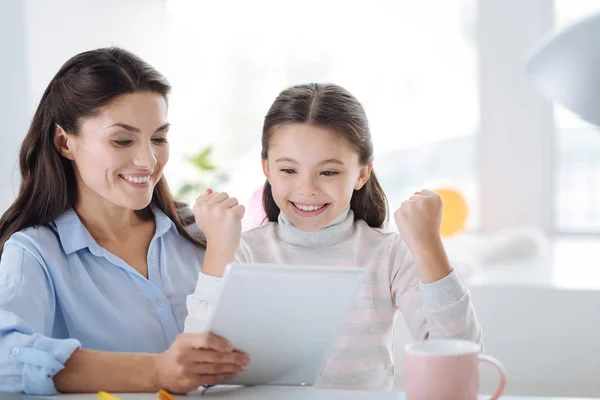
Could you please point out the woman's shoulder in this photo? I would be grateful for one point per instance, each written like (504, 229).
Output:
(35, 239)
(38, 244)
(57, 238)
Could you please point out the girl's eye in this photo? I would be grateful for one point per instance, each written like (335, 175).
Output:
(160, 140)
(122, 143)
(329, 173)
(288, 171)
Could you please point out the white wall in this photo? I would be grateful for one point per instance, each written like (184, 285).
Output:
(13, 98)
(516, 138)
(58, 29)
(38, 36)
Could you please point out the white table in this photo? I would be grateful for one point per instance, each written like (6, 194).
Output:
(300, 393)
(265, 393)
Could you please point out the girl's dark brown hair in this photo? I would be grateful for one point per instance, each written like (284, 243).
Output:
(83, 85)
(332, 107)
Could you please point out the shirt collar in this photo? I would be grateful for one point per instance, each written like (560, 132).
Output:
(74, 236)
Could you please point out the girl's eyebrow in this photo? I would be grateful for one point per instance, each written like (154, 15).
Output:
(286, 159)
(331, 161)
(328, 161)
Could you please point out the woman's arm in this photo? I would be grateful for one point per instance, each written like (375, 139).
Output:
(29, 356)
(34, 362)
(192, 361)
(93, 371)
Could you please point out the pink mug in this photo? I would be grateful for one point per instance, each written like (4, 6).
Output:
(446, 369)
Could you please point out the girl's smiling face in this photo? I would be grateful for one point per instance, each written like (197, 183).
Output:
(312, 172)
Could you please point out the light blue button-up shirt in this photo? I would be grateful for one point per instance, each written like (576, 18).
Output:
(59, 290)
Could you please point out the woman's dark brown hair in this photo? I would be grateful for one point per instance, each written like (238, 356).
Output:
(83, 85)
(333, 107)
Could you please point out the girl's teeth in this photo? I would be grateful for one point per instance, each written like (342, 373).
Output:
(308, 208)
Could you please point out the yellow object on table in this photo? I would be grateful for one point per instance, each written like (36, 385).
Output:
(107, 396)
(161, 394)
(455, 211)
(164, 395)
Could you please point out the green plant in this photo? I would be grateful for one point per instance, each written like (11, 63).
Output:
(209, 175)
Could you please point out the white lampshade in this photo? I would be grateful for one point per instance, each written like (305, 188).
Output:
(566, 68)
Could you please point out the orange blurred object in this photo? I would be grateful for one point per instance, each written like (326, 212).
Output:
(455, 211)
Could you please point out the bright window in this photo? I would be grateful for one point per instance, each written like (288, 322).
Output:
(577, 178)
(412, 64)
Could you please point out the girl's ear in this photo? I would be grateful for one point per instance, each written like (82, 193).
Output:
(265, 167)
(363, 177)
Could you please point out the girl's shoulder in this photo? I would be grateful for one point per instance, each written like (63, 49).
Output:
(382, 244)
(379, 234)
(260, 233)
(379, 239)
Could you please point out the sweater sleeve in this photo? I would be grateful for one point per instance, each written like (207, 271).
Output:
(440, 309)
(199, 304)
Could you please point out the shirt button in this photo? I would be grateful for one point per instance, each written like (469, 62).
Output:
(160, 302)
(153, 260)
(15, 351)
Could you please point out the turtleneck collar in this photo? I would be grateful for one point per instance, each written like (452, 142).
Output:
(340, 229)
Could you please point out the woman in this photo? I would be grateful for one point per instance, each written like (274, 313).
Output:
(95, 259)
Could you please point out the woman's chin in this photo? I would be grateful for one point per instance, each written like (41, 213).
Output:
(136, 204)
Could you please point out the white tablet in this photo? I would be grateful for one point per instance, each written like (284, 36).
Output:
(285, 317)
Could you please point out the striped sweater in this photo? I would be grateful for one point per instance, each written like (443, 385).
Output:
(362, 355)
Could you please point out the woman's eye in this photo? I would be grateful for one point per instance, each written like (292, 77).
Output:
(287, 171)
(160, 140)
(122, 143)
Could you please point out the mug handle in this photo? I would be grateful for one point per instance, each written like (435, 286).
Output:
(491, 360)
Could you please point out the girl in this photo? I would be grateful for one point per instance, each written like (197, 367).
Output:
(325, 206)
